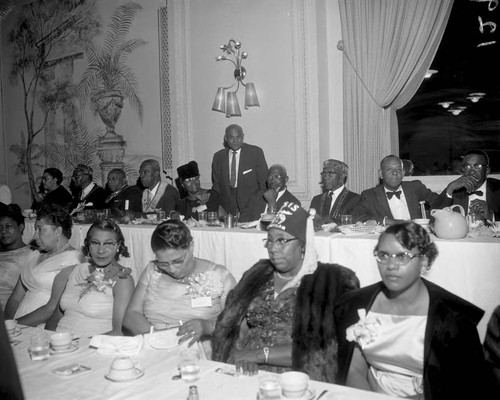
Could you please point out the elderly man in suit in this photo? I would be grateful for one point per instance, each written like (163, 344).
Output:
(474, 191)
(157, 195)
(394, 200)
(239, 175)
(122, 196)
(336, 199)
(277, 193)
(88, 195)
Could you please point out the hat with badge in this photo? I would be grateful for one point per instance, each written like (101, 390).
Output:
(336, 164)
(189, 170)
(292, 219)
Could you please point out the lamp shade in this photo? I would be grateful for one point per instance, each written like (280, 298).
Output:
(220, 101)
(251, 99)
(232, 106)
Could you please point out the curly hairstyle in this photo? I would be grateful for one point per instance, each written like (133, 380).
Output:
(13, 211)
(411, 235)
(57, 216)
(109, 225)
(171, 234)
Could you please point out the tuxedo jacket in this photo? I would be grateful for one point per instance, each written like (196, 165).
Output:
(97, 196)
(285, 197)
(345, 203)
(454, 365)
(374, 204)
(131, 193)
(252, 175)
(492, 197)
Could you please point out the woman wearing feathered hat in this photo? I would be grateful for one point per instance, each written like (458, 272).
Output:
(280, 315)
(198, 199)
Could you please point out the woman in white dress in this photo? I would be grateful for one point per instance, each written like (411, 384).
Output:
(178, 287)
(13, 251)
(30, 302)
(98, 291)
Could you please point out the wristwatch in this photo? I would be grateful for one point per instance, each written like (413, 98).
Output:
(266, 354)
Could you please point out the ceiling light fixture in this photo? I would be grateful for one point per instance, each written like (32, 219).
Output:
(229, 104)
(446, 104)
(455, 111)
(429, 73)
(475, 97)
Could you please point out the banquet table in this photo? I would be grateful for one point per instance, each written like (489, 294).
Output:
(468, 267)
(159, 367)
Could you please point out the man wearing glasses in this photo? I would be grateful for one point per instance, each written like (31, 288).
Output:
(336, 199)
(474, 191)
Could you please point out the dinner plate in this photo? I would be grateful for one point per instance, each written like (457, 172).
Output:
(73, 347)
(164, 340)
(137, 374)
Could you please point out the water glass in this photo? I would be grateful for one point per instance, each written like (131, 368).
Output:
(39, 347)
(203, 217)
(161, 215)
(212, 218)
(346, 219)
(269, 387)
(190, 365)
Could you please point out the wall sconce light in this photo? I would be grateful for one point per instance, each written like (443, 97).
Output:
(446, 104)
(430, 72)
(475, 97)
(229, 104)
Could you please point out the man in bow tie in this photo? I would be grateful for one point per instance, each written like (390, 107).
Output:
(394, 200)
(336, 199)
(474, 191)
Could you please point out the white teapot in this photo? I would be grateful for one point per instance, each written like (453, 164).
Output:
(449, 224)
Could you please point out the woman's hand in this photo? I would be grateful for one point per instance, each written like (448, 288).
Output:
(246, 361)
(194, 329)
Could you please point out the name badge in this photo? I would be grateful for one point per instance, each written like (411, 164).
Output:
(199, 302)
(201, 208)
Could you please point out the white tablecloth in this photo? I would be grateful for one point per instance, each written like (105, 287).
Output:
(469, 267)
(159, 366)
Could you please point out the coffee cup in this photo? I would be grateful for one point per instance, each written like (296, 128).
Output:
(61, 340)
(122, 367)
(10, 326)
(294, 384)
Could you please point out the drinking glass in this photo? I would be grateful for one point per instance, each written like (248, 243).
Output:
(212, 218)
(346, 219)
(269, 387)
(190, 365)
(39, 347)
(203, 218)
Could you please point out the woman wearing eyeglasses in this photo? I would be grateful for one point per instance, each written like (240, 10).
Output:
(280, 315)
(406, 336)
(96, 292)
(177, 288)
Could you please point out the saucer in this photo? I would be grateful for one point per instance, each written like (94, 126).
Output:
(137, 374)
(74, 346)
(308, 395)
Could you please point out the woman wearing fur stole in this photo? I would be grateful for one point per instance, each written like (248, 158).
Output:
(280, 315)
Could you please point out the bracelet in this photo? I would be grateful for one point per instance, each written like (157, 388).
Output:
(266, 354)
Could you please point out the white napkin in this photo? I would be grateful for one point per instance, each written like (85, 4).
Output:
(116, 345)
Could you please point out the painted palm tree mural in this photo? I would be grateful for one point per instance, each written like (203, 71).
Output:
(46, 39)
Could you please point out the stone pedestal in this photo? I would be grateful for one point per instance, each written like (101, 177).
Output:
(111, 150)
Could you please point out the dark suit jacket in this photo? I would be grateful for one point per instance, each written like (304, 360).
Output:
(374, 203)
(169, 199)
(59, 196)
(131, 193)
(347, 207)
(97, 197)
(454, 364)
(285, 197)
(492, 197)
(252, 175)
(185, 206)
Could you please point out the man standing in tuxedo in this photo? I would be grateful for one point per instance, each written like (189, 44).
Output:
(474, 191)
(239, 174)
(394, 200)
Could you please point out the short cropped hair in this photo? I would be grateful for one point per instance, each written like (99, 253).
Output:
(479, 153)
(57, 216)
(171, 234)
(13, 211)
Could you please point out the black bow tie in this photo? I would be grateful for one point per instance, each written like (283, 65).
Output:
(396, 193)
(477, 193)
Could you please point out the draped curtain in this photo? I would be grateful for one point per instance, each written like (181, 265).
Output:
(388, 46)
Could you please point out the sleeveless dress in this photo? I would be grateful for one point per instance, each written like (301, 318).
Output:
(92, 314)
(11, 264)
(38, 278)
(396, 355)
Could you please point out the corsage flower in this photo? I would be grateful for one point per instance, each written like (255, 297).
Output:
(365, 331)
(205, 284)
(99, 280)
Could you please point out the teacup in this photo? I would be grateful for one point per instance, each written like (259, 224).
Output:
(294, 384)
(61, 340)
(10, 326)
(122, 367)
